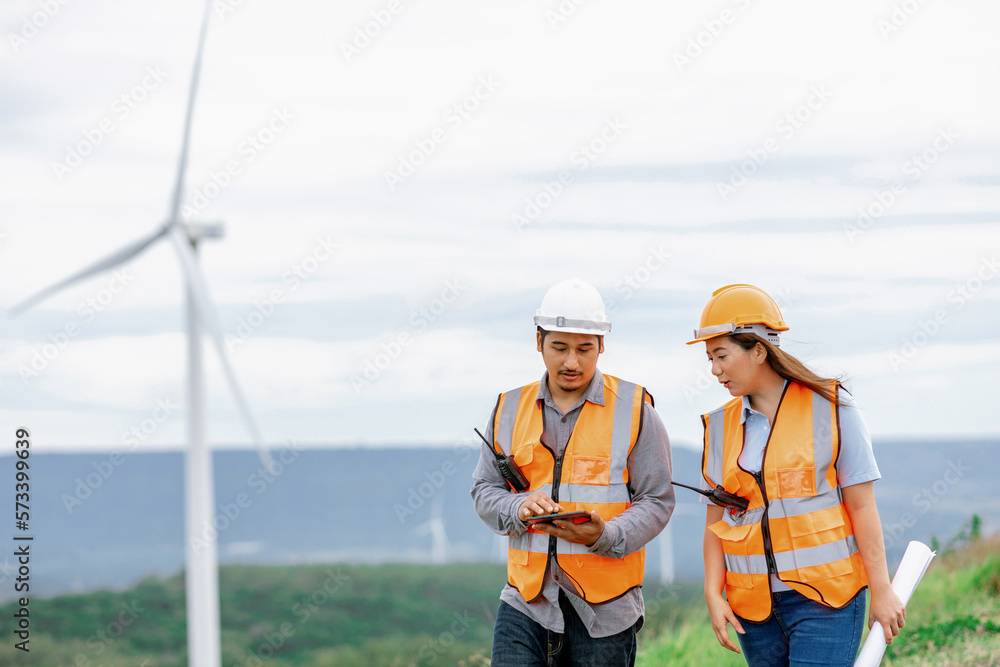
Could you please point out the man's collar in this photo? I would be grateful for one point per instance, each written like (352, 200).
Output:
(594, 393)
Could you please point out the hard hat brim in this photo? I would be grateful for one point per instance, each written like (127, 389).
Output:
(770, 334)
(708, 337)
(575, 331)
(567, 325)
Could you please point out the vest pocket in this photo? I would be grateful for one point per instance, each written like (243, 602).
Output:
(820, 545)
(524, 454)
(518, 556)
(593, 561)
(734, 546)
(796, 482)
(590, 470)
(837, 568)
(815, 528)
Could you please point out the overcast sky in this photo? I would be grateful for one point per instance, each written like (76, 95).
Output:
(402, 181)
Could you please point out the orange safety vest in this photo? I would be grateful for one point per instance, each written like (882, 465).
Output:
(796, 525)
(592, 474)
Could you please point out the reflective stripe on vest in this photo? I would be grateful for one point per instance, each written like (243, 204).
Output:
(808, 532)
(594, 476)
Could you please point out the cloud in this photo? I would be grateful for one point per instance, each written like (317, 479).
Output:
(808, 134)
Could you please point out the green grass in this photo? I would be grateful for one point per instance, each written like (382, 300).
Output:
(954, 616)
(404, 615)
(952, 620)
(398, 615)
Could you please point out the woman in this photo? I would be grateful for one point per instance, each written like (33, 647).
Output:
(795, 563)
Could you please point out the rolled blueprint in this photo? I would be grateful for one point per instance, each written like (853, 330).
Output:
(911, 570)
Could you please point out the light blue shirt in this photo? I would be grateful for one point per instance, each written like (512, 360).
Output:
(855, 464)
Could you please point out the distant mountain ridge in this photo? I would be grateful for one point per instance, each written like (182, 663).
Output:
(103, 522)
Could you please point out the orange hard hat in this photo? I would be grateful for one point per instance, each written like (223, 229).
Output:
(740, 309)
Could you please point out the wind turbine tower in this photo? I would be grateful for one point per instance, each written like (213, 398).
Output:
(202, 569)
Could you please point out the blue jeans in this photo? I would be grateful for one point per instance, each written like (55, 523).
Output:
(519, 641)
(803, 632)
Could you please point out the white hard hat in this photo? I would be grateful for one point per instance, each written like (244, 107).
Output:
(573, 306)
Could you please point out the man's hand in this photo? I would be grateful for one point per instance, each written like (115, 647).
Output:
(586, 533)
(537, 504)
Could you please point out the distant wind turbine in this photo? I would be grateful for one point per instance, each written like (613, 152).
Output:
(439, 539)
(202, 574)
(499, 552)
(665, 541)
(666, 544)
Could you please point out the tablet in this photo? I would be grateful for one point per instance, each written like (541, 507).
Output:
(574, 517)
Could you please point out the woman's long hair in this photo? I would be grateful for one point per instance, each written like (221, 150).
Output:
(791, 368)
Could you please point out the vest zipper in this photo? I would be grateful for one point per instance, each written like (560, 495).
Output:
(772, 567)
(556, 474)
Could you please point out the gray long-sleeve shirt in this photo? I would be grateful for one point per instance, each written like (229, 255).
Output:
(649, 471)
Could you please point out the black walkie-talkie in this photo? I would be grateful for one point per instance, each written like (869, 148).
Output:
(508, 468)
(721, 497)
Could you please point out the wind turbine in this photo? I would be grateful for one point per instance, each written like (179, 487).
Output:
(665, 541)
(498, 554)
(439, 539)
(202, 570)
(666, 544)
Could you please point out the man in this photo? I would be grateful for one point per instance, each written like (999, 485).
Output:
(584, 441)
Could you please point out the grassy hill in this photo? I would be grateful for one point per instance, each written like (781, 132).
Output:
(398, 615)
(405, 615)
(952, 620)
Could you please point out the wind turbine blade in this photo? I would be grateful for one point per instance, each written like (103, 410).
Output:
(199, 292)
(111, 261)
(175, 205)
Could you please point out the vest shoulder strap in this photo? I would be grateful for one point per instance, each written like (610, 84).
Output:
(712, 453)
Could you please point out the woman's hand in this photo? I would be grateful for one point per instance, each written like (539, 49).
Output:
(887, 609)
(722, 615)
(715, 582)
